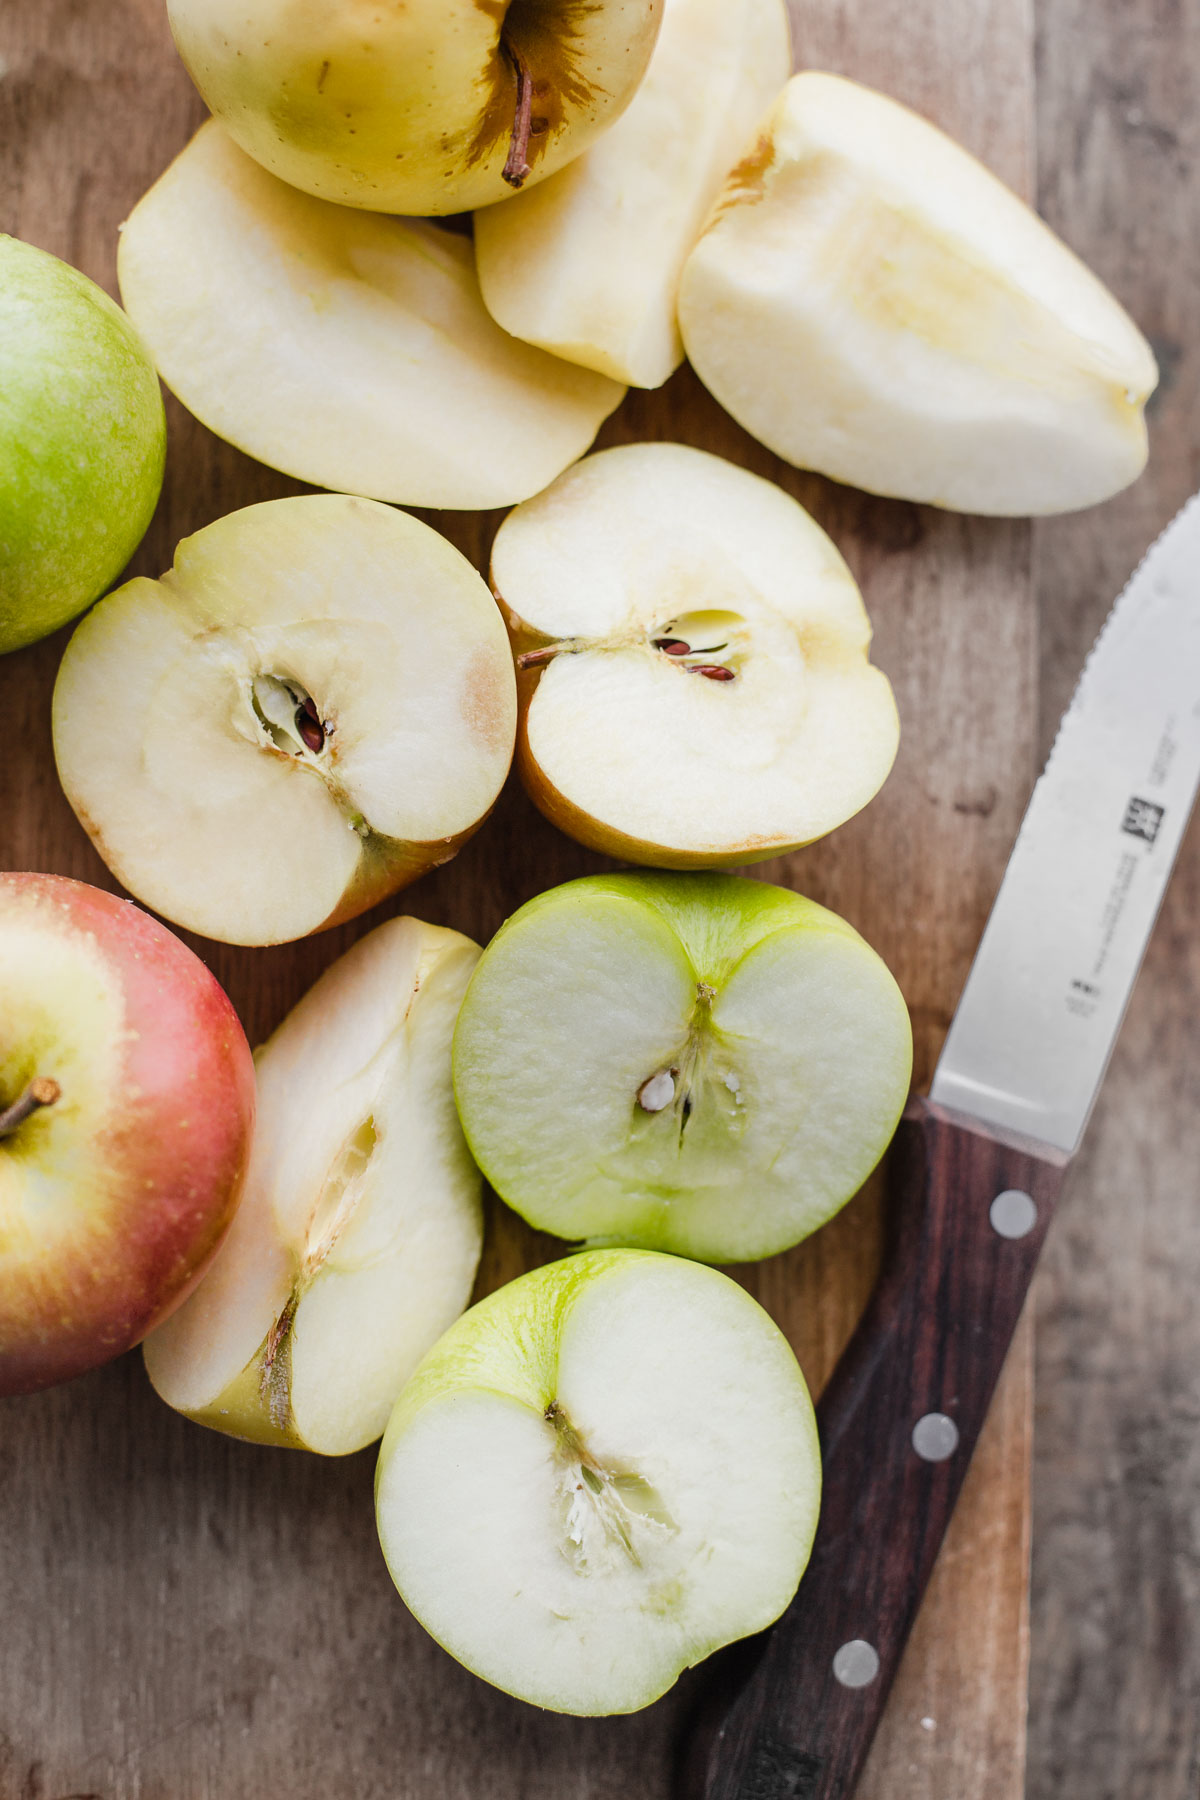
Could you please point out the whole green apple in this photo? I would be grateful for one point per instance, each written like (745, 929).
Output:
(82, 442)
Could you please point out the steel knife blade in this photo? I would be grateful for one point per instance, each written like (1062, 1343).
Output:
(973, 1178)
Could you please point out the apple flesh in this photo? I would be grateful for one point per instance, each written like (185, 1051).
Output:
(314, 706)
(348, 350)
(126, 1111)
(434, 106)
(587, 264)
(358, 1238)
(702, 1064)
(867, 300)
(692, 653)
(600, 1475)
(82, 442)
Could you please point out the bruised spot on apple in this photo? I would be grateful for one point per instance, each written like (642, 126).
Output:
(126, 1110)
(312, 708)
(692, 655)
(701, 1064)
(652, 1479)
(359, 1235)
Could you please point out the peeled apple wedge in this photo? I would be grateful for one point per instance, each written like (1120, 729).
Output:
(867, 300)
(700, 1064)
(314, 706)
(601, 1474)
(357, 1239)
(587, 264)
(693, 679)
(414, 106)
(347, 349)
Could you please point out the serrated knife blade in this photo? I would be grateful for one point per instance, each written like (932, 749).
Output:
(1042, 1006)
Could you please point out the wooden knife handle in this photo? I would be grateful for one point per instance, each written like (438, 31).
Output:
(929, 1348)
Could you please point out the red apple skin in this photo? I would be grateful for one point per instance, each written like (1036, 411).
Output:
(156, 1181)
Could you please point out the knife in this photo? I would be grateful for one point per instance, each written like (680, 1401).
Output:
(973, 1178)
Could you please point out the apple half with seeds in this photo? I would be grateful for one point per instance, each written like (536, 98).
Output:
(702, 1064)
(359, 1234)
(868, 300)
(600, 1475)
(692, 658)
(350, 350)
(312, 708)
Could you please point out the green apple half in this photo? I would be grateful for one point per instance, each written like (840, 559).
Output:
(869, 301)
(694, 683)
(349, 350)
(428, 106)
(313, 707)
(587, 264)
(357, 1240)
(600, 1475)
(82, 442)
(696, 1063)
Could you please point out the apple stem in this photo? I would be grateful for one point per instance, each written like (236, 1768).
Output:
(516, 168)
(535, 659)
(42, 1091)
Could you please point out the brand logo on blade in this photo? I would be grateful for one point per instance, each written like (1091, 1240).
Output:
(1142, 819)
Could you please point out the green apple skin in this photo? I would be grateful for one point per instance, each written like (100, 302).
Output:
(115, 1197)
(601, 1474)
(787, 1042)
(82, 442)
(410, 108)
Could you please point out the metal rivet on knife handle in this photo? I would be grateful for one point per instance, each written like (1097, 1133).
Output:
(935, 1437)
(1013, 1214)
(856, 1664)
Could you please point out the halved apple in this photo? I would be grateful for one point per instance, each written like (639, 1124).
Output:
(587, 264)
(692, 658)
(358, 1237)
(347, 349)
(695, 1063)
(314, 706)
(600, 1475)
(867, 300)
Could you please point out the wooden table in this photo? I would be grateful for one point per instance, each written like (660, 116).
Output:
(187, 1618)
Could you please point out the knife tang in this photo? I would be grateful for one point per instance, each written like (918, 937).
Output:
(899, 1421)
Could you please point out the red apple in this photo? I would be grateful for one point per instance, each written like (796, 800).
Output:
(126, 1113)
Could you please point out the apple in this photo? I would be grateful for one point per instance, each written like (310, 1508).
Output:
(587, 264)
(867, 300)
(82, 442)
(433, 106)
(126, 1111)
(357, 1241)
(692, 653)
(351, 351)
(701, 1064)
(312, 708)
(600, 1475)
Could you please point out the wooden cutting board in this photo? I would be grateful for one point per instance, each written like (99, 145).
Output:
(183, 1617)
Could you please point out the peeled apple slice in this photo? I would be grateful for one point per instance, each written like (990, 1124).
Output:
(694, 684)
(314, 706)
(357, 1240)
(867, 300)
(600, 1475)
(694, 1063)
(587, 264)
(345, 348)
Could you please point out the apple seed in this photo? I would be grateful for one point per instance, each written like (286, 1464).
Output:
(713, 671)
(672, 646)
(42, 1091)
(657, 1091)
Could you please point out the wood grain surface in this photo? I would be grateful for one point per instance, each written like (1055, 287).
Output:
(187, 1618)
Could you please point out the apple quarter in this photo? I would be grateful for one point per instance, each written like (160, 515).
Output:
(348, 349)
(311, 708)
(692, 656)
(601, 1474)
(359, 1234)
(701, 1064)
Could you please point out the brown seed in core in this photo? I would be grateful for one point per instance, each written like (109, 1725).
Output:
(714, 671)
(310, 728)
(672, 646)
